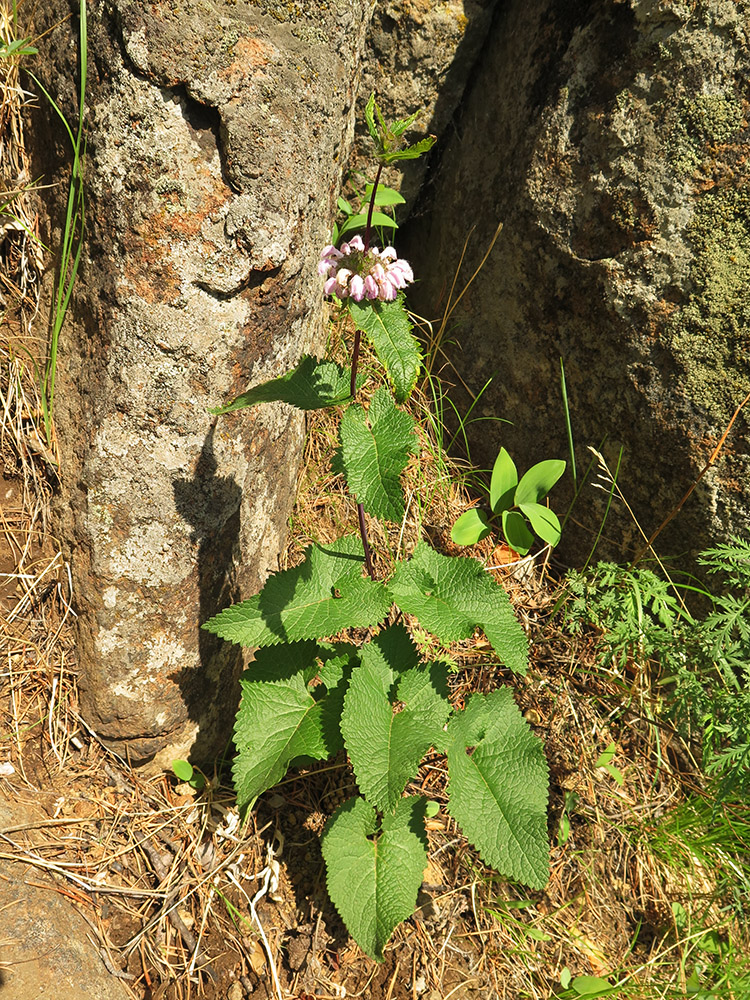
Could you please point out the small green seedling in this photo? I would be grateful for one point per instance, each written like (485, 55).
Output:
(605, 760)
(570, 803)
(185, 771)
(516, 505)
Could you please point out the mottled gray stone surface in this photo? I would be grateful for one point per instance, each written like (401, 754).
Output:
(611, 139)
(214, 145)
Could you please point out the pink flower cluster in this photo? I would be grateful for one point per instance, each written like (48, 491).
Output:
(363, 274)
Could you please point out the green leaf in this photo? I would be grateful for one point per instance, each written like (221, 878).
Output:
(471, 527)
(375, 447)
(398, 127)
(359, 221)
(183, 769)
(590, 986)
(565, 977)
(338, 661)
(451, 595)
(517, 532)
(606, 756)
(323, 595)
(544, 521)
(503, 483)
(388, 327)
(498, 780)
(615, 773)
(394, 711)
(370, 120)
(312, 385)
(411, 152)
(539, 480)
(345, 206)
(384, 195)
(374, 876)
(279, 719)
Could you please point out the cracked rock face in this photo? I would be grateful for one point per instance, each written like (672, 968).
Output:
(611, 141)
(214, 143)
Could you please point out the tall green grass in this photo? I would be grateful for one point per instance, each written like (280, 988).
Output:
(73, 229)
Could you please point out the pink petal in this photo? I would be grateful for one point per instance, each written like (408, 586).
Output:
(357, 288)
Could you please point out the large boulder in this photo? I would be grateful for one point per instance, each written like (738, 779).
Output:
(420, 55)
(215, 139)
(611, 140)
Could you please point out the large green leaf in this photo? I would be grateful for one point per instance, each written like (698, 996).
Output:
(516, 532)
(279, 718)
(394, 711)
(544, 521)
(388, 327)
(374, 875)
(498, 781)
(503, 483)
(321, 596)
(312, 385)
(471, 527)
(452, 595)
(375, 447)
(539, 480)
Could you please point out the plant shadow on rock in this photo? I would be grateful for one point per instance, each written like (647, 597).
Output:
(210, 688)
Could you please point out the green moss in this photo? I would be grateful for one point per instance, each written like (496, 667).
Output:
(711, 333)
(702, 122)
(293, 10)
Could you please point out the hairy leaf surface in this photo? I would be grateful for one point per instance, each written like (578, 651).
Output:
(278, 719)
(394, 711)
(375, 447)
(321, 596)
(498, 780)
(389, 329)
(452, 595)
(312, 385)
(374, 877)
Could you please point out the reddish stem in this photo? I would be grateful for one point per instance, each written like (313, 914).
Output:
(368, 227)
(355, 362)
(365, 543)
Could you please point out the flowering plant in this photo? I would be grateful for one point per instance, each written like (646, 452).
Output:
(363, 273)
(305, 696)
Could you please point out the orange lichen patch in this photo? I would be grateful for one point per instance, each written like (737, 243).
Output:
(251, 55)
(156, 249)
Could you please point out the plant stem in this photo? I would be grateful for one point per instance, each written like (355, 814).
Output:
(365, 543)
(355, 362)
(368, 227)
(360, 508)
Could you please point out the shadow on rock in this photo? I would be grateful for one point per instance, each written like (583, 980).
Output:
(211, 505)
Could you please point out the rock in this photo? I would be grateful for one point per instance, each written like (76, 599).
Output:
(419, 56)
(45, 949)
(215, 136)
(611, 141)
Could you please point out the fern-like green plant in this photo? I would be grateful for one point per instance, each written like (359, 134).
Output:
(702, 662)
(305, 697)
